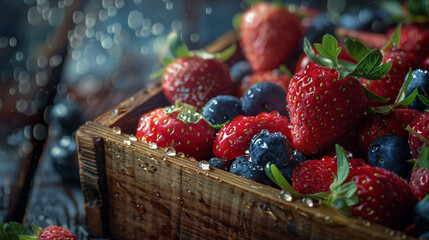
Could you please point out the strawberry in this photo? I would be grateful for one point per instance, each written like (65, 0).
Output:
(375, 125)
(268, 76)
(420, 125)
(369, 39)
(322, 107)
(15, 230)
(420, 176)
(384, 198)
(315, 176)
(56, 233)
(195, 80)
(269, 35)
(415, 38)
(180, 127)
(234, 138)
(304, 60)
(389, 86)
(323, 102)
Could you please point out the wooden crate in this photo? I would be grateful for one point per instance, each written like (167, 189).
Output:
(133, 191)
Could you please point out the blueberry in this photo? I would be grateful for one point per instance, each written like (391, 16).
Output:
(319, 26)
(421, 216)
(270, 147)
(242, 167)
(220, 163)
(239, 70)
(296, 160)
(391, 152)
(424, 236)
(221, 109)
(366, 19)
(264, 97)
(420, 81)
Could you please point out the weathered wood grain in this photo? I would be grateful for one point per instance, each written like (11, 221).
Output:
(153, 195)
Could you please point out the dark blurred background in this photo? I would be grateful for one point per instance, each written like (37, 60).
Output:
(64, 62)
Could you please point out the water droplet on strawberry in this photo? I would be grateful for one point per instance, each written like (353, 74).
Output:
(153, 145)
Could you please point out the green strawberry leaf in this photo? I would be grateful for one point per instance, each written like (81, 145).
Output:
(236, 21)
(356, 49)
(410, 99)
(424, 157)
(176, 46)
(374, 97)
(166, 60)
(284, 70)
(369, 68)
(309, 51)
(26, 237)
(424, 99)
(404, 87)
(341, 204)
(36, 229)
(342, 167)
(394, 40)
(280, 180)
(2, 233)
(13, 229)
(158, 73)
(418, 7)
(329, 49)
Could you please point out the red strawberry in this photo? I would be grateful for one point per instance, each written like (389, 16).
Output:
(375, 126)
(322, 107)
(384, 198)
(369, 39)
(420, 182)
(195, 80)
(389, 86)
(56, 233)
(414, 39)
(269, 35)
(426, 64)
(315, 176)
(179, 127)
(419, 124)
(269, 76)
(304, 60)
(234, 138)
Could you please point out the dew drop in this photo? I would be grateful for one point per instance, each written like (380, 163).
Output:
(285, 196)
(195, 37)
(181, 202)
(116, 130)
(308, 202)
(128, 142)
(133, 138)
(153, 145)
(170, 151)
(366, 223)
(208, 10)
(204, 165)
(132, 99)
(192, 159)
(181, 154)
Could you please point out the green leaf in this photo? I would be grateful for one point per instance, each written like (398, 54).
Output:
(418, 7)
(404, 87)
(424, 99)
(329, 49)
(352, 200)
(166, 60)
(224, 55)
(369, 68)
(342, 167)
(280, 180)
(341, 205)
(2, 233)
(236, 21)
(284, 70)
(393, 41)
(26, 237)
(158, 73)
(374, 97)
(269, 173)
(176, 46)
(36, 229)
(410, 99)
(356, 49)
(424, 157)
(315, 58)
(13, 229)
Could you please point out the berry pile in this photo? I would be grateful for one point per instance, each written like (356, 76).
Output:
(369, 95)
